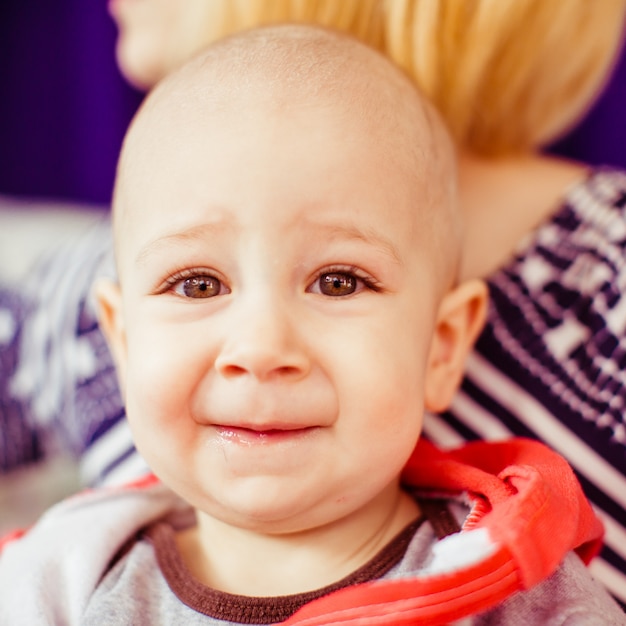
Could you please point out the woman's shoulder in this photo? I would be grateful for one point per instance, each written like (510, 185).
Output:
(505, 200)
(510, 202)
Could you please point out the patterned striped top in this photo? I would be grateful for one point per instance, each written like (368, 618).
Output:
(550, 364)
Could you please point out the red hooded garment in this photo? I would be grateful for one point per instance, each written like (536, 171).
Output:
(533, 507)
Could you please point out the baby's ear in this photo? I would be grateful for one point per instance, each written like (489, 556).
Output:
(110, 317)
(460, 319)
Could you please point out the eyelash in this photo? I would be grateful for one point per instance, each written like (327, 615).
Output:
(179, 276)
(184, 274)
(368, 281)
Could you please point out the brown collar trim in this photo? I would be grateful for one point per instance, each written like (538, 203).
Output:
(265, 610)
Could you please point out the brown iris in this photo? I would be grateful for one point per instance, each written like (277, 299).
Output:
(201, 287)
(337, 284)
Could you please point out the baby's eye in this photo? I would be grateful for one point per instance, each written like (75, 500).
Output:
(201, 286)
(337, 284)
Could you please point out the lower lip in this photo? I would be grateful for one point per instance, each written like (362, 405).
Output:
(249, 437)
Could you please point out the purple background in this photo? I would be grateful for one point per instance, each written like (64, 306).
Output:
(64, 106)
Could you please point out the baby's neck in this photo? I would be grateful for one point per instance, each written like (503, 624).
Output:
(245, 562)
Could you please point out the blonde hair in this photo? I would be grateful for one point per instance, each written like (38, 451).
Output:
(506, 75)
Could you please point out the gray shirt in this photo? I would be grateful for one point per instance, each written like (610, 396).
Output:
(151, 585)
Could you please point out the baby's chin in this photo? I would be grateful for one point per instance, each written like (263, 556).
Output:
(263, 514)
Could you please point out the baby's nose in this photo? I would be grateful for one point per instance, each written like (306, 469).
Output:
(265, 344)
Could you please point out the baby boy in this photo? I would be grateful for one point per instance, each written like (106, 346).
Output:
(287, 238)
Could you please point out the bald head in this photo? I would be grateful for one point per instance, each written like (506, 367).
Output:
(293, 70)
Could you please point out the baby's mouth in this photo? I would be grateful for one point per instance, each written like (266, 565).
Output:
(258, 435)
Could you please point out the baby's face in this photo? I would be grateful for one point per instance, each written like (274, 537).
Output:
(278, 307)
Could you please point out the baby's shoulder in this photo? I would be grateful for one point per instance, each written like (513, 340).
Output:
(570, 597)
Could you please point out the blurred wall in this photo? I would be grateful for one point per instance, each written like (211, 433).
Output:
(64, 106)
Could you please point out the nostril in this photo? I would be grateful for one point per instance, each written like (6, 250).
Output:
(287, 370)
(232, 371)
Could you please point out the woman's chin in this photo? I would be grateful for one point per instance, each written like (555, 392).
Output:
(138, 67)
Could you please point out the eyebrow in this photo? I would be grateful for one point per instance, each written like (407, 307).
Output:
(355, 233)
(332, 231)
(182, 238)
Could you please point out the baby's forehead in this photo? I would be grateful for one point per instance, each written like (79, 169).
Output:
(281, 72)
(291, 67)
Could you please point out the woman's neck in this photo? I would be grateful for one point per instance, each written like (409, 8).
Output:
(504, 199)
